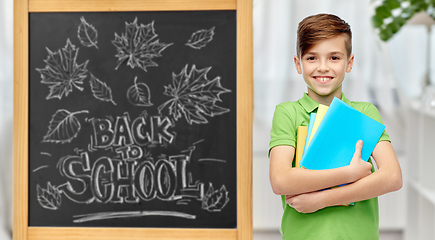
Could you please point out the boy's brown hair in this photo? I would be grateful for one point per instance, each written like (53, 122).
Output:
(313, 29)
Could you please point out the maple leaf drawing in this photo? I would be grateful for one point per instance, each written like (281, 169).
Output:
(138, 45)
(193, 95)
(62, 72)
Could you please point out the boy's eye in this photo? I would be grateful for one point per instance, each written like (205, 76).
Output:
(335, 58)
(311, 58)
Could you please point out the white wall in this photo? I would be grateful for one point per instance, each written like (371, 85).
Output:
(6, 77)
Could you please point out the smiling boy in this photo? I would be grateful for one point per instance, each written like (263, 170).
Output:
(324, 47)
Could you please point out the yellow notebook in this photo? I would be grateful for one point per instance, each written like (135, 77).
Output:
(319, 117)
(300, 144)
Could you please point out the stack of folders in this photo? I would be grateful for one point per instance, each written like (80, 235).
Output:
(329, 139)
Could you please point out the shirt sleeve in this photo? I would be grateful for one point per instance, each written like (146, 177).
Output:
(371, 111)
(283, 130)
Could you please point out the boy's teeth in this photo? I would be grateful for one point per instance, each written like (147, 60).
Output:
(323, 79)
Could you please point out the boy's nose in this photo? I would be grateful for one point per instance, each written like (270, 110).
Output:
(322, 67)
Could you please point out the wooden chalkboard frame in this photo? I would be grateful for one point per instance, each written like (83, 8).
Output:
(22, 8)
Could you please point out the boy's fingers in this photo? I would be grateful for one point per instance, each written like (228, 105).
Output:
(289, 196)
(358, 148)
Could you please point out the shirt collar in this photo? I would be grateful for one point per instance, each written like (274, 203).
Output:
(310, 105)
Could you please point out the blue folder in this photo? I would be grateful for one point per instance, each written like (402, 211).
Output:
(333, 145)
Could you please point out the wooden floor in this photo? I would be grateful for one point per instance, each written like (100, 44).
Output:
(269, 235)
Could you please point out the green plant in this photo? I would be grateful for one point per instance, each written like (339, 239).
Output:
(391, 15)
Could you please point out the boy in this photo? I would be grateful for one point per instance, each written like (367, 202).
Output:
(323, 57)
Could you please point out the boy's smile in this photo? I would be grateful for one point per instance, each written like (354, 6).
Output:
(323, 79)
(323, 68)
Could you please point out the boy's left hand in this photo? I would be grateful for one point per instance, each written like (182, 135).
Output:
(307, 202)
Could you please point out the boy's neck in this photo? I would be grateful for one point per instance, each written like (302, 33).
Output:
(325, 100)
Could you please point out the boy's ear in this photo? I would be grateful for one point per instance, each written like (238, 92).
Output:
(298, 64)
(350, 63)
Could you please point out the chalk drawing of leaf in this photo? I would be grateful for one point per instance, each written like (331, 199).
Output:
(49, 198)
(138, 45)
(139, 94)
(215, 200)
(193, 95)
(62, 72)
(199, 39)
(64, 126)
(100, 90)
(87, 34)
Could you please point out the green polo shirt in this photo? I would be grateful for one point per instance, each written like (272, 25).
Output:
(360, 221)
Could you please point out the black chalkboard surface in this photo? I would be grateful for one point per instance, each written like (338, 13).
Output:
(132, 119)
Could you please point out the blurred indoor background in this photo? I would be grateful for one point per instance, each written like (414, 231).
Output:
(395, 75)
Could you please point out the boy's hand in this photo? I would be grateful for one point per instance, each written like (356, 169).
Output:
(358, 167)
(307, 202)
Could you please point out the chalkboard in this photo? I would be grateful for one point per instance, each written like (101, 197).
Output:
(132, 119)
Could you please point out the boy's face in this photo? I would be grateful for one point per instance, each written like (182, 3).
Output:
(324, 66)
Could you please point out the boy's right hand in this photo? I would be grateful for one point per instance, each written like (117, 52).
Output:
(358, 167)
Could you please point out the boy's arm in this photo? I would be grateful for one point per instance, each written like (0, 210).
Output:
(387, 178)
(286, 180)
